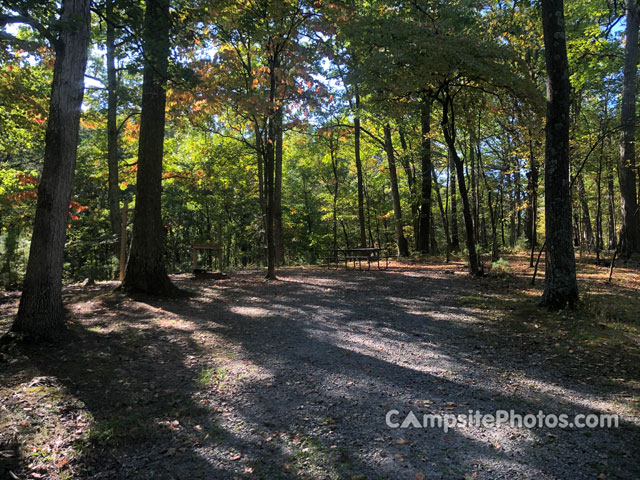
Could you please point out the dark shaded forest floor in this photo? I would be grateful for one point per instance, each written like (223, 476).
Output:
(293, 378)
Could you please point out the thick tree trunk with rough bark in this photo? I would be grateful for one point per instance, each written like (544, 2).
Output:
(630, 240)
(112, 129)
(560, 286)
(425, 158)
(146, 271)
(403, 247)
(41, 313)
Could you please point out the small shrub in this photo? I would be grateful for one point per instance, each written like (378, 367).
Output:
(501, 266)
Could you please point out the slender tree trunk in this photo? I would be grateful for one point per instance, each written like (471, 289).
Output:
(408, 167)
(495, 249)
(356, 124)
(560, 286)
(443, 213)
(10, 247)
(334, 210)
(455, 236)
(277, 193)
(611, 204)
(432, 235)
(587, 230)
(510, 192)
(146, 270)
(630, 240)
(403, 248)
(269, 170)
(425, 157)
(501, 217)
(261, 188)
(344, 232)
(474, 191)
(599, 243)
(532, 211)
(518, 199)
(41, 313)
(112, 129)
(449, 131)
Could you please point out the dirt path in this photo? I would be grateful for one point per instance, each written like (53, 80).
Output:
(293, 379)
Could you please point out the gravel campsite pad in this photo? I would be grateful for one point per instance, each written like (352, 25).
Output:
(294, 379)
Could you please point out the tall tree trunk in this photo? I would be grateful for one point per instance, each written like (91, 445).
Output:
(408, 167)
(501, 217)
(599, 242)
(356, 124)
(455, 236)
(432, 235)
(269, 170)
(560, 286)
(518, 199)
(531, 226)
(334, 209)
(449, 131)
(403, 247)
(10, 247)
(474, 190)
(41, 313)
(510, 192)
(611, 204)
(112, 129)
(270, 167)
(277, 192)
(626, 170)
(495, 250)
(587, 228)
(260, 161)
(425, 157)
(146, 271)
(443, 213)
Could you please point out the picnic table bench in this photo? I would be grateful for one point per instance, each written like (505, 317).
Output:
(206, 247)
(358, 255)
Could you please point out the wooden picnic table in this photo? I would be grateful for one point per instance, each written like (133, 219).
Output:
(359, 255)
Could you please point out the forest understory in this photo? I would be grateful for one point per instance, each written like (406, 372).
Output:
(293, 378)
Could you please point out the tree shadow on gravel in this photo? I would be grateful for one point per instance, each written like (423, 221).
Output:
(321, 384)
(293, 379)
(119, 398)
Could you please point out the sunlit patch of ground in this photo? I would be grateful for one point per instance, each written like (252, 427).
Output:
(293, 378)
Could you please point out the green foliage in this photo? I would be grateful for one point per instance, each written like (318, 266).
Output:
(225, 57)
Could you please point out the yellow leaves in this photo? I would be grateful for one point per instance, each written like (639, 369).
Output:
(86, 123)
